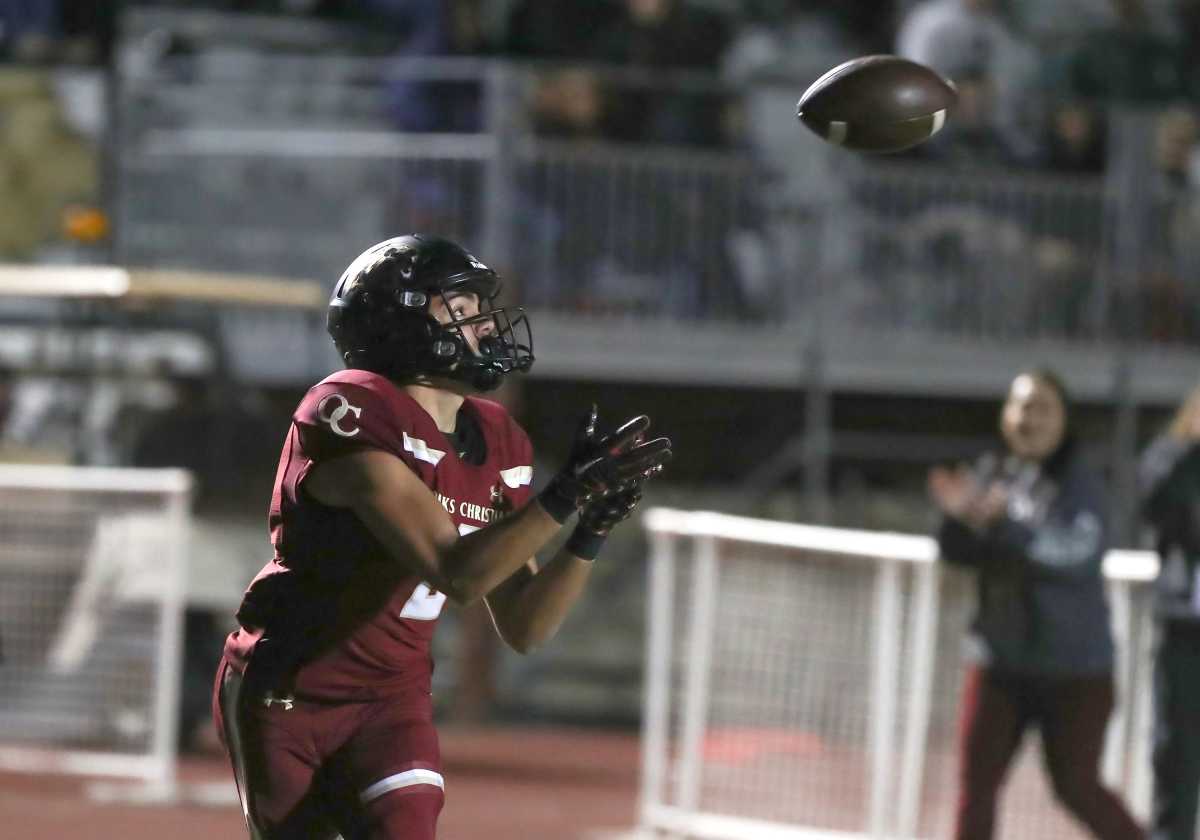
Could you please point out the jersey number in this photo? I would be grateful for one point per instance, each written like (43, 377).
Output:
(426, 604)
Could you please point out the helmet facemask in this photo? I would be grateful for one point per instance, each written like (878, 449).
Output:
(506, 348)
(381, 316)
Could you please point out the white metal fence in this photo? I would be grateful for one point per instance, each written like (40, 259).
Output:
(92, 576)
(802, 682)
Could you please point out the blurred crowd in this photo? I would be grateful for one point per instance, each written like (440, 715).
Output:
(1083, 89)
(1036, 85)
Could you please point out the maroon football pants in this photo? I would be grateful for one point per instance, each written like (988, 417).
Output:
(308, 771)
(1072, 714)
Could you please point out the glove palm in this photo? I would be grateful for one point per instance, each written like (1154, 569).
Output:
(604, 465)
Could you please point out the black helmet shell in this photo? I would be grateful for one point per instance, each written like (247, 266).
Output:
(379, 316)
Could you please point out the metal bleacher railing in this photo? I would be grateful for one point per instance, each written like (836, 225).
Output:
(290, 163)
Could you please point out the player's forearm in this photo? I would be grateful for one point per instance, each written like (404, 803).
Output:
(533, 614)
(477, 563)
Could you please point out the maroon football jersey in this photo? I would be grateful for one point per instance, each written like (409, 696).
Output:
(332, 615)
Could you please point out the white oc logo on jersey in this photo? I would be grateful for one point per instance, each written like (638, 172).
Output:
(334, 416)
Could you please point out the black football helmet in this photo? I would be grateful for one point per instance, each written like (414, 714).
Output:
(379, 315)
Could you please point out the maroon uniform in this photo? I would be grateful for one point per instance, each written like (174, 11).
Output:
(334, 645)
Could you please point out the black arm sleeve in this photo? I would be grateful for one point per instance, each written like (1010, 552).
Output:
(958, 545)
(1162, 471)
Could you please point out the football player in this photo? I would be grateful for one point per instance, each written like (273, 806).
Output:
(397, 489)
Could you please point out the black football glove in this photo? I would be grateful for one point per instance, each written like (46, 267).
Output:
(603, 513)
(601, 465)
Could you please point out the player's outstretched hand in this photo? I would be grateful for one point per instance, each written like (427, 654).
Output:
(604, 465)
(602, 514)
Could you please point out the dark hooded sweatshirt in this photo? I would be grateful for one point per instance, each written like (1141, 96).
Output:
(1042, 608)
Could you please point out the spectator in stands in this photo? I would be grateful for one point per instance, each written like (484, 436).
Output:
(1065, 254)
(872, 24)
(561, 233)
(968, 41)
(1125, 61)
(1062, 298)
(977, 137)
(763, 63)
(656, 35)
(433, 28)
(1075, 142)
(605, 257)
(1167, 300)
(1186, 23)
(807, 225)
(1031, 521)
(655, 246)
(427, 29)
(51, 31)
(29, 30)
(663, 33)
(88, 31)
(1176, 134)
(946, 34)
(568, 103)
(1169, 484)
(553, 29)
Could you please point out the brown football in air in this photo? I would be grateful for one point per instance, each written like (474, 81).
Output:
(878, 103)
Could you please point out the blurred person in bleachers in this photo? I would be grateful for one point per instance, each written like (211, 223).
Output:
(1065, 253)
(56, 31)
(568, 103)
(971, 42)
(1169, 486)
(977, 137)
(969, 252)
(1062, 20)
(1126, 60)
(763, 63)
(551, 29)
(944, 34)
(653, 39)
(581, 251)
(1031, 520)
(806, 216)
(1076, 142)
(429, 28)
(88, 31)
(663, 33)
(659, 245)
(1185, 21)
(29, 29)
(434, 29)
(1167, 300)
(660, 240)
(872, 24)
(659, 35)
